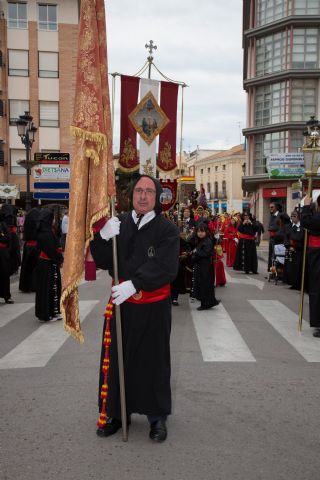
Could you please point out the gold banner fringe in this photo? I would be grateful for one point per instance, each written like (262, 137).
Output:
(77, 334)
(100, 139)
(94, 155)
(128, 170)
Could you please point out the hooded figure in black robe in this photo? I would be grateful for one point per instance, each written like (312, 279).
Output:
(5, 239)
(9, 213)
(30, 252)
(148, 252)
(246, 254)
(203, 271)
(293, 265)
(47, 271)
(310, 219)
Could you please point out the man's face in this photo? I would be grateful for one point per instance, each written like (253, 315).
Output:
(186, 213)
(144, 196)
(272, 208)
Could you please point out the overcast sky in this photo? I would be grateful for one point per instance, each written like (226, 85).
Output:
(199, 42)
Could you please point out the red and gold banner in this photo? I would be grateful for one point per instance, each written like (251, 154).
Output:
(169, 194)
(92, 175)
(128, 158)
(168, 136)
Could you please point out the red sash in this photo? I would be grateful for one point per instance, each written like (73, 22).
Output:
(13, 229)
(293, 243)
(150, 297)
(313, 241)
(246, 237)
(44, 256)
(31, 243)
(272, 234)
(3, 245)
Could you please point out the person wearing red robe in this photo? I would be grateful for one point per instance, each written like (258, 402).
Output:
(231, 236)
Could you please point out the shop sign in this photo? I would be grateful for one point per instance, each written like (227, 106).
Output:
(57, 158)
(285, 165)
(274, 192)
(53, 172)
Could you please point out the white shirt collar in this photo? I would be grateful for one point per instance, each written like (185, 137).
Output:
(276, 213)
(145, 219)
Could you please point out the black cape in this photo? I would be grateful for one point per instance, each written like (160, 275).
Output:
(149, 258)
(246, 254)
(5, 264)
(203, 274)
(311, 221)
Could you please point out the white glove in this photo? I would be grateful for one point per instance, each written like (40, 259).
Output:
(217, 236)
(120, 293)
(236, 240)
(111, 228)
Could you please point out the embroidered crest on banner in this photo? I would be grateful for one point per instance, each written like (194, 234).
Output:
(151, 252)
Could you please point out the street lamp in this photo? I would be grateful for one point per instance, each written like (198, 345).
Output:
(27, 131)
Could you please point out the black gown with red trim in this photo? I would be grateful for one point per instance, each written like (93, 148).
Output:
(246, 254)
(149, 258)
(311, 221)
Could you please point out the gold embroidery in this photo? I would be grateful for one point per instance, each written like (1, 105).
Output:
(165, 156)
(129, 153)
(148, 168)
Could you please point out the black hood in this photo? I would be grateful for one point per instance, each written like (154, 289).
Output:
(45, 220)
(30, 224)
(157, 184)
(9, 214)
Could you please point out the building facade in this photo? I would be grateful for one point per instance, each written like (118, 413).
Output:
(281, 40)
(220, 174)
(38, 44)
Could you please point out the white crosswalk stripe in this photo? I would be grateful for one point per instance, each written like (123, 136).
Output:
(245, 280)
(219, 339)
(10, 312)
(37, 349)
(285, 322)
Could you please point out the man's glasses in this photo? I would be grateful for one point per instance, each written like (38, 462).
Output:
(148, 191)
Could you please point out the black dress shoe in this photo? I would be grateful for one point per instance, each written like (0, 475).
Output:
(316, 333)
(111, 427)
(175, 303)
(158, 431)
(9, 300)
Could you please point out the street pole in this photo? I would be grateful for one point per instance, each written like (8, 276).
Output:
(28, 171)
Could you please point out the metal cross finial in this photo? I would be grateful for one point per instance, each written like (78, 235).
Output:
(151, 47)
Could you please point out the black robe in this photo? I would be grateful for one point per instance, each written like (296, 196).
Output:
(30, 252)
(311, 221)
(149, 258)
(246, 254)
(293, 263)
(5, 238)
(203, 274)
(47, 277)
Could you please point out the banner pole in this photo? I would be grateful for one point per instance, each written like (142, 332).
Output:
(117, 307)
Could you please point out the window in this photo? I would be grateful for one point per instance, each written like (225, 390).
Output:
(49, 114)
(223, 167)
(15, 156)
(17, 108)
(201, 171)
(17, 15)
(216, 189)
(48, 65)
(208, 169)
(48, 17)
(270, 10)
(307, 7)
(272, 102)
(224, 189)
(304, 94)
(277, 142)
(272, 53)
(305, 48)
(216, 168)
(18, 63)
(208, 187)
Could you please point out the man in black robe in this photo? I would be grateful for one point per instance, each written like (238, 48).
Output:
(30, 252)
(10, 218)
(5, 239)
(310, 219)
(148, 252)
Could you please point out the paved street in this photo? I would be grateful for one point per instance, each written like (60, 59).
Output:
(245, 392)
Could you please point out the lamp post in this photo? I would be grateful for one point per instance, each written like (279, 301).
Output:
(311, 151)
(26, 131)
